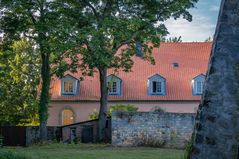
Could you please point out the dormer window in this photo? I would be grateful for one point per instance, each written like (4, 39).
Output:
(157, 85)
(114, 85)
(69, 85)
(197, 84)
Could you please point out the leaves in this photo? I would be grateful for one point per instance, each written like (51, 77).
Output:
(20, 67)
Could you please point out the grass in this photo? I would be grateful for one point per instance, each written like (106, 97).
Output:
(93, 151)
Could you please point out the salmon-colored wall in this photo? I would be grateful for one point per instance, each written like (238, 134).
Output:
(83, 109)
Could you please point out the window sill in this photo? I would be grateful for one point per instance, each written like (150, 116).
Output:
(197, 94)
(114, 94)
(68, 94)
(157, 94)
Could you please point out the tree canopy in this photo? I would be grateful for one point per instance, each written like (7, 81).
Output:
(19, 83)
(40, 21)
(110, 31)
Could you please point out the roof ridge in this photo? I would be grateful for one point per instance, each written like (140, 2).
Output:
(192, 42)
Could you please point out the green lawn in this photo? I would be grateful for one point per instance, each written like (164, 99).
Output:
(81, 151)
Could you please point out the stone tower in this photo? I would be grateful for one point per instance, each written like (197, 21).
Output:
(216, 132)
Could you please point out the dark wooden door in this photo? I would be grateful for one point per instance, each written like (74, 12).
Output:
(87, 134)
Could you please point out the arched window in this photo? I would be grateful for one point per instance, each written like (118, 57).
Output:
(67, 117)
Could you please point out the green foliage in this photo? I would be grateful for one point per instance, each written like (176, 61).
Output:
(118, 107)
(42, 22)
(188, 149)
(122, 107)
(11, 155)
(19, 80)
(96, 151)
(94, 115)
(173, 40)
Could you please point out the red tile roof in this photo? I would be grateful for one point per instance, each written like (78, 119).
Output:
(192, 59)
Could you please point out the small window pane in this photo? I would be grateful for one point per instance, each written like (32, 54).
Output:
(68, 86)
(199, 87)
(156, 87)
(71, 86)
(112, 86)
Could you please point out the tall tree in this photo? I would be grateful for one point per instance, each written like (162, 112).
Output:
(112, 30)
(19, 81)
(217, 121)
(41, 21)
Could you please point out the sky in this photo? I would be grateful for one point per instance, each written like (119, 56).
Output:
(204, 22)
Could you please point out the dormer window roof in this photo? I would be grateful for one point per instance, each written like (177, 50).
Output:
(157, 85)
(198, 84)
(114, 85)
(69, 85)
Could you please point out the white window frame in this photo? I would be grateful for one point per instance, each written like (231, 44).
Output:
(161, 80)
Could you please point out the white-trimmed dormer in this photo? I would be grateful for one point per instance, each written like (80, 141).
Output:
(69, 85)
(156, 85)
(198, 84)
(114, 84)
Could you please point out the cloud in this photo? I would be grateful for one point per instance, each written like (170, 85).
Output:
(198, 30)
(203, 25)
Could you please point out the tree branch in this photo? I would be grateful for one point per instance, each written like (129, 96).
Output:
(31, 16)
(92, 8)
(130, 39)
(28, 36)
(108, 5)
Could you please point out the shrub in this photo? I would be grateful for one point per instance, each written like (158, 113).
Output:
(11, 155)
(128, 108)
(158, 109)
(188, 149)
(122, 107)
(94, 115)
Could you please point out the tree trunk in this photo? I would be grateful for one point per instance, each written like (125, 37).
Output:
(216, 132)
(44, 97)
(103, 104)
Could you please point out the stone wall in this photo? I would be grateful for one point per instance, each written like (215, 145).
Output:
(33, 134)
(160, 129)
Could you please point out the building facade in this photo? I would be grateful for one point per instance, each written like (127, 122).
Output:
(174, 84)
